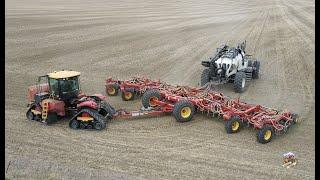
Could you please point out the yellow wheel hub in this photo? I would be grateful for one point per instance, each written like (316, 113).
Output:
(185, 112)
(267, 135)
(111, 90)
(235, 126)
(151, 101)
(127, 95)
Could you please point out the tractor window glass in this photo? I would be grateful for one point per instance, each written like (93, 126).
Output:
(54, 86)
(69, 85)
(74, 83)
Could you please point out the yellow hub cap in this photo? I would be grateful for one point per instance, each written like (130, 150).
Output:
(185, 112)
(235, 126)
(151, 101)
(111, 90)
(127, 95)
(267, 135)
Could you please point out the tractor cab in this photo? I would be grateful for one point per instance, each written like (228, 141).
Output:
(61, 85)
(64, 84)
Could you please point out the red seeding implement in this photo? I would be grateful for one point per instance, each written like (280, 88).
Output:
(130, 88)
(184, 101)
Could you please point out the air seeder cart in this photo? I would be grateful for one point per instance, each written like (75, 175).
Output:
(230, 65)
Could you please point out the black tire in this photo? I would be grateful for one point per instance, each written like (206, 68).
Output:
(205, 77)
(255, 73)
(249, 63)
(112, 89)
(240, 82)
(148, 95)
(263, 135)
(295, 118)
(233, 125)
(74, 124)
(127, 95)
(98, 126)
(183, 111)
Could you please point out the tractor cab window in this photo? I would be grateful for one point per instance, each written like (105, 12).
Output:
(69, 85)
(54, 88)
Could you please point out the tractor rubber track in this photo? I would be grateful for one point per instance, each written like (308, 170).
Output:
(97, 117)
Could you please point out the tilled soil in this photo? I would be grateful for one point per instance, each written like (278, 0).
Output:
(161, 40)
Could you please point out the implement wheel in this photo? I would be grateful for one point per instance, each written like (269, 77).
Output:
(112, 90)
(233, 125)
(148, 96)
(183, 111)
(127, 95)
(265, 134)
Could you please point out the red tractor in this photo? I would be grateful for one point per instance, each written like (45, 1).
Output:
(60, 96)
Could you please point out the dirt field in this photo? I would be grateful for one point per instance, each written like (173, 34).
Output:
(167, 40)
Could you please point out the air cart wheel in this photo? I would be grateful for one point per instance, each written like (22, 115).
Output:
(240, 81)
(265, 134)
(249, 63)
(127, 95)
(112, 90)
(183, 111)
(74, 124)
(255, 73)
(205, 77)
(149, 96)
(233, 125)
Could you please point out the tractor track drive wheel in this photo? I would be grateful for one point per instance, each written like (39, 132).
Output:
(240, 81)
(205, 77)
(183, 111)
(265, 134)
(233, 125)
(112, 89)
(148, 96)
(127, 94)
